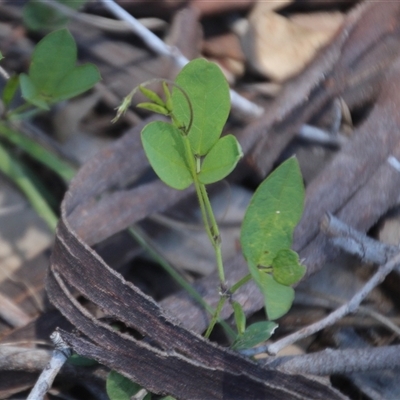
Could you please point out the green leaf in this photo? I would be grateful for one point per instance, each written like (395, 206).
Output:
(120, 388)
(278, 298)
(54, 56)
(208, 91)
(274, 211)
(154, 108)
(240, 317)
(10, 89)
(31, 93)
(76, 82)
(1, 55)
(38, 152)
(81, 361)
(221, 160)
(286, 267)
(153, 96)
(38, 16)
(255, 334)
(22, 177)
(165, 150)
(53, 75)
(168, 98)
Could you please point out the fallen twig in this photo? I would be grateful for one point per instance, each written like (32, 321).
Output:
(46, 378)
(347, 308)
(318, 135)
(355, 242)
(328, 362)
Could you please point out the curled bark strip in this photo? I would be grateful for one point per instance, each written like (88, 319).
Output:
(177, 361)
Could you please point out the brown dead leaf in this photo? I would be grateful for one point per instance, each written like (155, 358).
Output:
(321, 21)
(278, 47)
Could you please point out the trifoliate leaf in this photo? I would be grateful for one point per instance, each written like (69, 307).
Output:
(287, 269)
(255, 334)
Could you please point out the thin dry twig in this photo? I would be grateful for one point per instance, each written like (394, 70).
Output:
(355, 242)
(333, 317)
(46, 378)
(318, 135)
(328, 362)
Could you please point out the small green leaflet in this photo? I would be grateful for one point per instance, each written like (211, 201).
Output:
(120, 388)
(81, 361)
(286, 268)
(153, 107)
(165, 150)
(53, 75)
(255, 334)
(208, 92)
(10, 89)
(221, 160)
(151, 95)
(240, 317)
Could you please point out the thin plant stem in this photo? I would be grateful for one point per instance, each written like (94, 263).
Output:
(212, 230)
(38, 152)
(19, 110)
(214, 320)
(206, 210)
(223, 298)
(240, 283)
(216, 237)
(15, 171)
(141, 238)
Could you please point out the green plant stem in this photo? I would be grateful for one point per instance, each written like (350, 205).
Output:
(240, 283)
(211, 228)
(222, 300)
(214, 319)
(140, 237)
(20, 109)
(38, 152)
(15, 171)
(207, 213)
(216, 237)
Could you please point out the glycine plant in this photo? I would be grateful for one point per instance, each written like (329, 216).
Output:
(190, 150)
(53, 74)
(52, 77)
